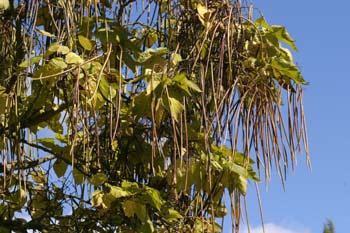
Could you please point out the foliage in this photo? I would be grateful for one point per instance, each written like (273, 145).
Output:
(328, 227)
(140, 116)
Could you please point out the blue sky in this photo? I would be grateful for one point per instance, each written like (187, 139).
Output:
(322, 35)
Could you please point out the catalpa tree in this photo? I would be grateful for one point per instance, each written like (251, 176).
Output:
(141, 115)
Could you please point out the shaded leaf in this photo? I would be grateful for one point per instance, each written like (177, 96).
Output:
(78, 176)
(98, 179)
(130, 208)
(60, 167)
(141, 212)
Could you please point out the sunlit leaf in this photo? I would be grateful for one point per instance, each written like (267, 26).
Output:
(152, 195)
(4, 4)
(39, 177)
(173, 215)
(117, 192)
(58, 63)
(282, 34)
(63, 50)
(85, 42)
(176, 108)
(31, 61)
(45, 33)
(97, 199)
(73, 58)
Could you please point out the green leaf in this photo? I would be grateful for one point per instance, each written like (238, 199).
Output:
(193, 86)
(60, 167)
(30, 61)
(176, 108)
(184, 83)
(142, 105)
(153, 57)
(175, 59)
(153, 197)
(141, 212)
(117, 192)
(98, 179)
(58, 63)
(152, 85)
(73, 58)
(233, 167)
(107, 89)
(3, 98)
(63, 50)
(39, 177)
(85, 42)
(173, 215)
(78, 176)
(97, 199)
(130, 186)
(261, 22)
(288, 69)
(146, 227)
(52, 49)
(204, 15)
(130, 208)
(282, 34)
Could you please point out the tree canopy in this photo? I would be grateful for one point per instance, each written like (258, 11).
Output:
(141, 115)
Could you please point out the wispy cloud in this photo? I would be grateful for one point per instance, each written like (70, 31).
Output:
(275, 228)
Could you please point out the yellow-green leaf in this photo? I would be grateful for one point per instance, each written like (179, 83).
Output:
(54, 47)
(173, 215)
(117, 192)
(4, 4)
(73, 58)
(45, 33)
(130, 207)
(175, 108)
(153, 197)
(85, 42)
(58, 63)
(39, 177)
(30, 61)
(204, 15)
(176, 59)
(63, 50)
(282, 34)
(141, 212)
(97, 199)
